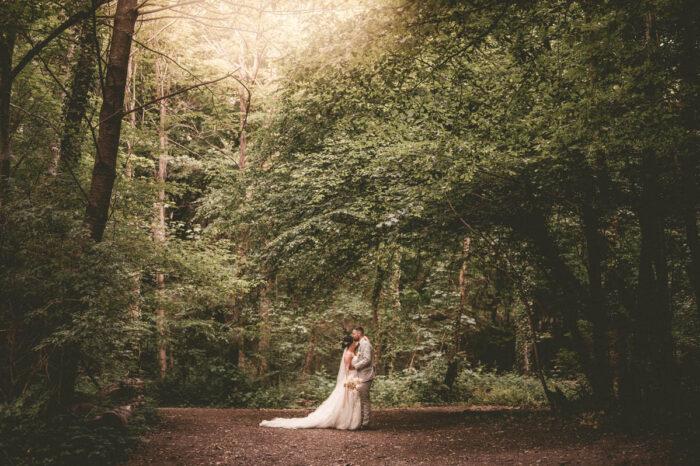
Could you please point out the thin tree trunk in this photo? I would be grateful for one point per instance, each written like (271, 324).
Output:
(376, 297)
(104, 171)
(76, 102)
(395, 303)
(687, 161)
(236, 354)
(452, 362)
(556, 399)
(245, 99)
(310, 350)
(412, 362)
(526, 358)
(135, 309)
(264, 346)
(7, 47)
(131, 105)
(534, 227)
(597, 310)
(243, 106)
(522, 343)
(159, 208)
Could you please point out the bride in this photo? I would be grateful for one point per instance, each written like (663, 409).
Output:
(341, 410)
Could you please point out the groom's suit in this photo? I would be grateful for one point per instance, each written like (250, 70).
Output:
(365, 372)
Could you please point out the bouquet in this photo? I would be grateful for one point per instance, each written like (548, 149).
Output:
(352, 384)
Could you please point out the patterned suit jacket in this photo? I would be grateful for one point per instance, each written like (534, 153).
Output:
(363, 361)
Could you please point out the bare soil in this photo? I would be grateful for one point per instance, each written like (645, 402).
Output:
(435, 436)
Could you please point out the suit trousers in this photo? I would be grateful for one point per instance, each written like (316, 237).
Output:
(363, 390)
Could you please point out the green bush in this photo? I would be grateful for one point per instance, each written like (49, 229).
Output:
(423, 387)
(215, 384)
(27, 438)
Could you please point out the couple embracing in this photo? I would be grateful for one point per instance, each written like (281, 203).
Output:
(348, 405)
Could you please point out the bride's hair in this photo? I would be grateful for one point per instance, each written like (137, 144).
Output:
(347, 341)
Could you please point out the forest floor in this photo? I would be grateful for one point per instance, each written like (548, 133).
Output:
(436, 436)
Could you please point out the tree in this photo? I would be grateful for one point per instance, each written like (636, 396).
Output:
(111, 113)
(12, 21)
(76, 101)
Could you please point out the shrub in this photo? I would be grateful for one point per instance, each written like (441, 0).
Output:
(27, 438)
(423, 387)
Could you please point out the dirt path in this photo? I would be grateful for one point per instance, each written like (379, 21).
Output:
(436, 436)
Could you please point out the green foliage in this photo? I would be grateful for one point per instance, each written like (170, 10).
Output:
(26, 437)
(60, 294)
(303, 392)
(415, 388)
(559, 137)
(565, 364)
(211, 383)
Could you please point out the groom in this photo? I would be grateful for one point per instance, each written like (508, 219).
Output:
(362, 363)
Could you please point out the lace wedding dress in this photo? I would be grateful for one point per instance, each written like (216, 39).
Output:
(341, 410)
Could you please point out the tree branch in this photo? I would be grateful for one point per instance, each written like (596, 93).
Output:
(167, 57)
(38, 117)
(181, 91)
(170, 7)
(72, 21)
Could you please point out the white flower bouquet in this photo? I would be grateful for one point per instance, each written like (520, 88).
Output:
(352, 383)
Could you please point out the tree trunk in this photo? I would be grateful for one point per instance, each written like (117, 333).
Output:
(533, 226)
(376, 297)
(243, 106)
(63, 364)
(104, 171)
(395, 304)
(8, 73)
(62, 368)
(76, 102)
(264, 346)
(264, 340)
(653, 345)
(7, 47)
(235, 335)
(412, 362)
(159, 208)
(687, 161)
(56, 147)
(309, 352)
(135, 309)
(527, 370)
(522, 343)
(245, 99)
(687, 167)
(597, 308)
(452, 361)
(556, 399)
(131, 105)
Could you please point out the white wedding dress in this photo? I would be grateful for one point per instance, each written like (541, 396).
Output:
(341, 410)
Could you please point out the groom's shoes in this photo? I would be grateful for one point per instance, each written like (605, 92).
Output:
(366, 428)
